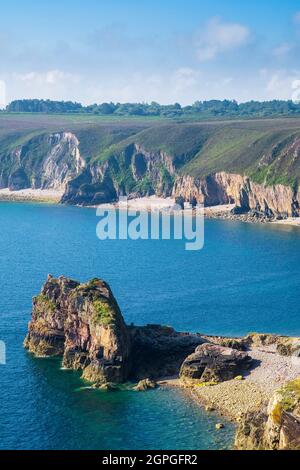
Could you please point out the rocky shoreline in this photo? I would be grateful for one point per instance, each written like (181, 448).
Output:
(251, 217)
(254, 380)
(219, 212)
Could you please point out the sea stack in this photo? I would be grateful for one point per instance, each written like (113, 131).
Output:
(82, 323)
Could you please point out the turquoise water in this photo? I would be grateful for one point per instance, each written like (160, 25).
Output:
(245, 279)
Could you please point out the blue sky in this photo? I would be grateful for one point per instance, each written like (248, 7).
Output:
(166, 51)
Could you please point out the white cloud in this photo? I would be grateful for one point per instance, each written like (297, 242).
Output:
(219, 37)
(282, 85)
(51, 77)
(184, 85)
(185, 78)
(297, 17)
(53, 84)
(282, 50)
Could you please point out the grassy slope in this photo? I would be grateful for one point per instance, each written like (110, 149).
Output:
(258, 148)
(255, 148)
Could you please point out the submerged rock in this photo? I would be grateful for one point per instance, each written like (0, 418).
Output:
(214, 363)
(146, 384)
(219, 426)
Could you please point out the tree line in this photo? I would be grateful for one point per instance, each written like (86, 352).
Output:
(204, 109)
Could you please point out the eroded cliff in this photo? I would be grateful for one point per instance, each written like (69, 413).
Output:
(276, 426)
(82, 323)
(254, 166)
(225, 188)
(45, 161)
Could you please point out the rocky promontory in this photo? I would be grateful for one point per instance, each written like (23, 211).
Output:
(252, 380)
(83, 324)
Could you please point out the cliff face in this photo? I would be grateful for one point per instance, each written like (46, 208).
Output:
(275, 428)
(82, 323)
(136, 172)
(140, 173)
(47, 161)
(99, 171)
(226, 188)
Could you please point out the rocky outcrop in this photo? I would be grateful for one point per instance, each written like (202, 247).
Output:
(159, 351)
(82, 323)
(146, 384)
(213, 363)
(277, 427)
(225, 188)
(284, 345)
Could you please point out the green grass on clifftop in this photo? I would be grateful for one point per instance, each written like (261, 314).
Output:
(263, 149)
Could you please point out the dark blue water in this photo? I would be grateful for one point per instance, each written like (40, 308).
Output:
(245, 279)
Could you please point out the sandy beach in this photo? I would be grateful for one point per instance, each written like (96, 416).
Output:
(31, 195)
(138, 204)
(142, 204)
(294, 221)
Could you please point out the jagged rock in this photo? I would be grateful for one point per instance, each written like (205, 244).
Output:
(83, 323)
(250, 431)
(145, 384)
(84, 190)
(228, 188)
(214, 363)
(158, 351)
(283, 425)
(234, 343)
(275, 428)
(285, 345)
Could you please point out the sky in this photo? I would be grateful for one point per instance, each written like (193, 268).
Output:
(167, 51)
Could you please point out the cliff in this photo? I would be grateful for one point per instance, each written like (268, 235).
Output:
(254, 165)
(47, 161)
(82, 323)
(276, 426)
(224, 188)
